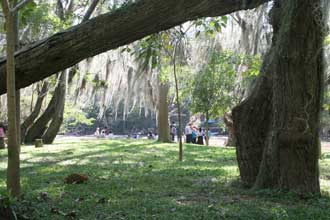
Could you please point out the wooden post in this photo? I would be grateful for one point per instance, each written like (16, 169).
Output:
(38, 143)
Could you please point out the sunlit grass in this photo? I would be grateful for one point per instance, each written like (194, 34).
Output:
(144, 180)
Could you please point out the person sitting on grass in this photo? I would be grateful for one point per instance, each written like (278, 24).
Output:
(150, 135)
(110, 135)
(103, 133)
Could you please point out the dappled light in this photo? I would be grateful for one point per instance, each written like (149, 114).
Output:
(165, 109)
(125, 177)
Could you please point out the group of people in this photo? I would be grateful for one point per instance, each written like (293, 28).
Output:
(194, 135)
(152, 135)
(104, 133)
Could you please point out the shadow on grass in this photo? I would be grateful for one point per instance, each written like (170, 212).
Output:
(144, 180)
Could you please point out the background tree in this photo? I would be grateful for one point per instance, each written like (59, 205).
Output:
(216, 89)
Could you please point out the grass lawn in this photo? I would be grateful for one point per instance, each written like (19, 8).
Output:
(143, 180)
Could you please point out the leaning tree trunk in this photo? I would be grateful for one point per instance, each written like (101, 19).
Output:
(57, 119)
(277, 126)
(110, 31)
(38, 129)
(290, 159)
(163, 125)
(36, 111)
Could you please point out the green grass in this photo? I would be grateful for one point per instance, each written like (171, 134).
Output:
(144, 180)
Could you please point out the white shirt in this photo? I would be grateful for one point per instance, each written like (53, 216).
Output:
(188, 130)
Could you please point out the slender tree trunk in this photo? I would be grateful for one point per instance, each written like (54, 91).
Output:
(90, 10)
(18, 116)
(178, 104)
(18, 91)
(207, 137)
(163, 125)
(13, 169)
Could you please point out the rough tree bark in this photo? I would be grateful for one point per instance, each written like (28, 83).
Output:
(36, 111)
(228, 120)
(57, 118)
(109, 31)
(38, 129)
(163, 125)
(279, 146)
(290, 159)
(251, 121)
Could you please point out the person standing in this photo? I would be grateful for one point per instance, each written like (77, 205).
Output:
(188, 133)
(200, 136)
(193, 135)
(2, 136)
(173, 131)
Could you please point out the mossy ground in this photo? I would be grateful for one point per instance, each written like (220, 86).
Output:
(144, 180)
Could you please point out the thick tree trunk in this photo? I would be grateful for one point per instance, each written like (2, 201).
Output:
(277, 126)
(36, 111)
(38, 129)
(57, 119)
(109, 31)
(251, 120)
(54, 126)
(13, 169)
(290, 159)
(163, 125)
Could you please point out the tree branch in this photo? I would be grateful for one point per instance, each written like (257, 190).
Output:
(90, 10)
(110, 31)
(70, 6)
(20, 5)
(5, 7)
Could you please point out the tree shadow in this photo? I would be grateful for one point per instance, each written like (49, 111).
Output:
(139, 180)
